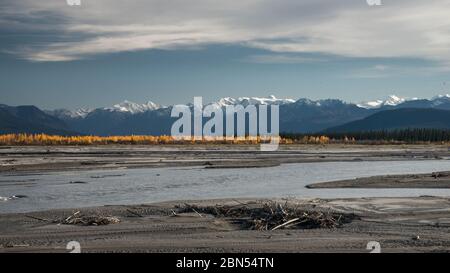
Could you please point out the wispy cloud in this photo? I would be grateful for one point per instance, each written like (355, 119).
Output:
(281, 59)
(386, 71)
(381, 67)
(403, 28)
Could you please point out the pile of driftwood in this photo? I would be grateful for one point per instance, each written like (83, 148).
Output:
(78, 218)
(89, 220)
(273, 216)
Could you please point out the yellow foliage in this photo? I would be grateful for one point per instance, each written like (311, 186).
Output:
(43, 139)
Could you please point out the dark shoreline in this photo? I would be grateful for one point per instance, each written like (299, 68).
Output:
(437, 180)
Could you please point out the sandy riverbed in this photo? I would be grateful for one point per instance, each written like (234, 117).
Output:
(17, 159)
(398, 224)
(436, 180)
(413, 224)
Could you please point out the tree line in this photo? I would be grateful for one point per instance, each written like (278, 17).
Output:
(414, 135)
(410, 135)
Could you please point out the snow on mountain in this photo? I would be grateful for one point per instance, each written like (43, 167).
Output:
(371, 104)
(134, 108)
(446, 96)
(392, 100)
(80, 113)
(245, 101)
(225, 101)
(304, 101)
(64, 113)
(271, 100)
(440, 99)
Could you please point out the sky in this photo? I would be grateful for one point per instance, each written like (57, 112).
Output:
(102, 52)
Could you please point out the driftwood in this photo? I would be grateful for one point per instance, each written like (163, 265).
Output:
(197, 213)
(286, 223)
(68, 219)
(273, 216)
(78, 218)
(87, 220)
(194, 210)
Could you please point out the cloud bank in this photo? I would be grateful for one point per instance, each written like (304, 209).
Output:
(53, 31)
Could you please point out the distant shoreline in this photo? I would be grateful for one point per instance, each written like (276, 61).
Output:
(437, 180)
(23, 159)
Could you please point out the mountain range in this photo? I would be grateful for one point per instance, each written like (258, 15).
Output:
(296, 116)
(30, 119)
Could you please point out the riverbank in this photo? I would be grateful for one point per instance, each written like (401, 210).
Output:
(20, 159)
(436, 180)
(420, 224)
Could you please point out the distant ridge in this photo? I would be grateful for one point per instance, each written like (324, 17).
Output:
(391, 102)
(296, 116)
(398, 119)
(29, 119)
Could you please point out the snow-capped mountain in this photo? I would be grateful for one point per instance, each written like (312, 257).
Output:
(81, 113)
(245, 101)
(270, 100)
(392, 100)
(302, 115)
(133, 108)
(123, 107)
(438, 101)
(64, 113)
(136, 108)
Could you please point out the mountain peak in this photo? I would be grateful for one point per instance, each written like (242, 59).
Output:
(64, 113)
(394, 100)
(391, 100)
(270, 100)
(81, 112)
(134, 108)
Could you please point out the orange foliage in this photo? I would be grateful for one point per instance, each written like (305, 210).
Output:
(314, 140)
(43, 139)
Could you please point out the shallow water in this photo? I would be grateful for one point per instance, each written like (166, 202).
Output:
(134, 186)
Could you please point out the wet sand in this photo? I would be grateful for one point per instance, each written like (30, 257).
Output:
(398, 224)
(437, 180)
(17, 159)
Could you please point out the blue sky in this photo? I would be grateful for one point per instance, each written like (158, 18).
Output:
(103, 52)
